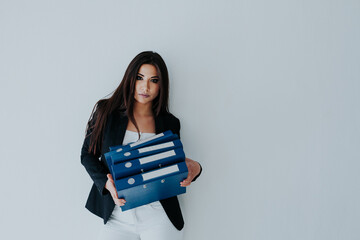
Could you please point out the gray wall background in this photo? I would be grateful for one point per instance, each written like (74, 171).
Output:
(267, 93)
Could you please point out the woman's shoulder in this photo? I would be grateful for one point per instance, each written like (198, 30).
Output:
(171, 122)
(118, 113)
(170, 117)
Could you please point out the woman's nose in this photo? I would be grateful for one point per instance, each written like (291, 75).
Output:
(146, 85)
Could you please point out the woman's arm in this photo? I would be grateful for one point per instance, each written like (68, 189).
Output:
(194, 171)
(93, 165)
(194, 168)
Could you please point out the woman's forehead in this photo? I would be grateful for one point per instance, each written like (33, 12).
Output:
(148, 69)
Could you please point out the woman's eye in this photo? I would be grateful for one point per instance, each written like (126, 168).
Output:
(138, 77)
(155, 80)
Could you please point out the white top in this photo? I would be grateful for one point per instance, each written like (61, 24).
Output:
(131, 136)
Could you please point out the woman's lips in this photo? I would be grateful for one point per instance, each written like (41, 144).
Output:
(144, 95)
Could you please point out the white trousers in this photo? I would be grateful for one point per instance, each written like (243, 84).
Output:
(147, 222)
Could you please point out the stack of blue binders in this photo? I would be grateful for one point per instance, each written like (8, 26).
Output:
(148, 170)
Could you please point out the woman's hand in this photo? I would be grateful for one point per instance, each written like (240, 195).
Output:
(193, 171)
(110, 186)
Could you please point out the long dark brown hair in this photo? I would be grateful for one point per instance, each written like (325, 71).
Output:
(123, 98)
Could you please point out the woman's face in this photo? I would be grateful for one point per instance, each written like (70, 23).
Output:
(147, 84)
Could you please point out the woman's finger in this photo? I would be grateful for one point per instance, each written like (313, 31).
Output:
(117, 201)
(120, 202)
(185, 183)
(110, 177)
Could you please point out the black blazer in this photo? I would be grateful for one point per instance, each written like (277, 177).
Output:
(99, 201)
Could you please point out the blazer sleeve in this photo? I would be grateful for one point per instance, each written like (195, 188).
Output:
(93, 165)
(178, 126)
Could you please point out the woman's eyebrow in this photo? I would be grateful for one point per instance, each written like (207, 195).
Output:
(151, 77)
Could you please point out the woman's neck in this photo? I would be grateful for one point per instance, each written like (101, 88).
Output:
(143, 110)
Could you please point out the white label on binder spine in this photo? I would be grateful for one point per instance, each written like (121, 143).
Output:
(160, 172)
(146, 140)
(156, 147)
(158, 156)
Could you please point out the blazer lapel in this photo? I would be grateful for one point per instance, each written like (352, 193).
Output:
(159, 124)
(121, 128)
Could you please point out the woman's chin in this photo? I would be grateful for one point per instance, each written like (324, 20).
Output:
(143, 101)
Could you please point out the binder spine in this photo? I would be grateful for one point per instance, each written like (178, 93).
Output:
(140, 165)
(145, 151)
(148, 141)
(154, 175)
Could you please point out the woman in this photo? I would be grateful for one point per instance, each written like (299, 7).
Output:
(137, 109)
